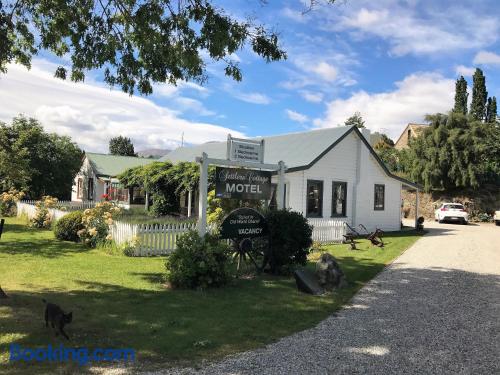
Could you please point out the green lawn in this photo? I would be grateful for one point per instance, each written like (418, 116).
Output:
(120, 302)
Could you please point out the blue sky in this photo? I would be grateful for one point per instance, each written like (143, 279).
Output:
(393, 61)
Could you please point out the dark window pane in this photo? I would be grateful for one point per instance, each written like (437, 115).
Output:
(379, 201)
(314, 198)
(339, 198)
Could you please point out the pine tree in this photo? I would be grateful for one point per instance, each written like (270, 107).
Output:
(121, 146)
(461, 96)
(491, 110)
(479, 96)
(355, 119)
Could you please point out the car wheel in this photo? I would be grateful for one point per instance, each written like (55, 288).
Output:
(497, 222)
(465, 222)
(440, 221)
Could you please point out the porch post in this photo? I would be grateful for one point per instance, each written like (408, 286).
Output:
(203, 195)
(416, 208)
(146, 203)
(281, 186)
(189, 203)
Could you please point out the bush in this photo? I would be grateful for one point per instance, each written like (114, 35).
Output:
(66, 228)
(198, 262)
(96, 222)
(289, 240)
(43, 218)
(8, 202)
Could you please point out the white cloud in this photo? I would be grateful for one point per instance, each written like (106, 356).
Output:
(252, 97)
(91, 114)
(326, 71)
(296, 116)
(465, 70)
(313, 97)
(408, 30)
(414, 97)
(487, 58)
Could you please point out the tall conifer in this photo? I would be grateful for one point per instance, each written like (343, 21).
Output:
(461, 96)
(479, 96)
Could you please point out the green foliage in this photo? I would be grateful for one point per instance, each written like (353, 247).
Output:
(37, 162)
(356, 120)
(289, 240)
(96, 222)
(198, 262)
(479, 96)
(43, 218)
(166, 182)
(491, 111)
(137, 43)
(121, 146)
(67, 227)
(461, 96)
(218, 208)
(454, 152)
(8, 202)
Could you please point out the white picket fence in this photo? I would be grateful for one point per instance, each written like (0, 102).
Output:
(161, 239)
(68, 205)
(328, 230)
(29, 209)
(152, 239)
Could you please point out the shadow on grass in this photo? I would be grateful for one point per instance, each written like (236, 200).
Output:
(172, 327)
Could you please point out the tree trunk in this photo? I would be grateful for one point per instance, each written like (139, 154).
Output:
(2, 294)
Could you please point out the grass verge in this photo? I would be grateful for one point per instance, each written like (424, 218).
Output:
(119, 302)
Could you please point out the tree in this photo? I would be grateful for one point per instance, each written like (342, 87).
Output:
(479, 96)
(355, 119)
(37, 162)
(461, 96)
(121, 146)
(454, 152)
(136, 42)
(491, 111)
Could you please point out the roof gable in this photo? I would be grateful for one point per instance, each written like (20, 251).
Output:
(113, 165)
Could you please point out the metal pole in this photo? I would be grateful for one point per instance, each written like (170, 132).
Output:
(281, 186)
(416, 209)
(202, 202)
(189, 203)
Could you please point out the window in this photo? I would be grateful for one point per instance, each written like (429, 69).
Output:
(314, 198)
(79, 188)
(90, 190)
(379, 202)
(339, 198)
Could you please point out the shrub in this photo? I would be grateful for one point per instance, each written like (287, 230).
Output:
(198, 262)
(289, 240)
(96, 222)
(66, 228)
(43, 218)
(8, 202)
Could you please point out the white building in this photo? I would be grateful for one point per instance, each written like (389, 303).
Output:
(331, 173)
(97, 177)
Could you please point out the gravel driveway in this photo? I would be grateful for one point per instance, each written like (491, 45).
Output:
(436, 309)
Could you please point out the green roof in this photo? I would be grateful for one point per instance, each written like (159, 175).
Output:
(113, 165)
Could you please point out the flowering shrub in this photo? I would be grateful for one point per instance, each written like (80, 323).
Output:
(43, 218)
(8, 202)
(130, 248)
(96, 222)
(105, 197)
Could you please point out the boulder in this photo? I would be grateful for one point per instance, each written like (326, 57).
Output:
(328, 272)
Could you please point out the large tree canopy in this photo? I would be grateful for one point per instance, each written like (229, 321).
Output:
(37, 162)
(121, 146)
(136, 42)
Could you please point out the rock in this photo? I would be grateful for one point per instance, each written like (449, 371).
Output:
(307, 282)
(328, 272)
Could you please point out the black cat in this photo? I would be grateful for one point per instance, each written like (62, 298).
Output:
(57, 318)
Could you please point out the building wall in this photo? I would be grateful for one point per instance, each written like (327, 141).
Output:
(350, 161)
(85, 173)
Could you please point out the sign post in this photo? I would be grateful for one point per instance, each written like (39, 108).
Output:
(251, 183)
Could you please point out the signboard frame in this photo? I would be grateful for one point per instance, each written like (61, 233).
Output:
(242, 183)
(235, 144)
(205, 161)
